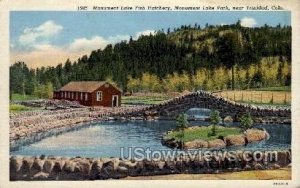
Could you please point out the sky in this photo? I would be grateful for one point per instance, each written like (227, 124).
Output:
(47, 38)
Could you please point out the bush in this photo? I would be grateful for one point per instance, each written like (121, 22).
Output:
(246, 121)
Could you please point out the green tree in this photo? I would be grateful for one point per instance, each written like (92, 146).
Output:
(181, 124)
(214, 120)
(246, 121)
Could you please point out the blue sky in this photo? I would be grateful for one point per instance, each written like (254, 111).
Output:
(36, 35)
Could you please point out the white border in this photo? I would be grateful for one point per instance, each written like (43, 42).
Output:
(68, 5)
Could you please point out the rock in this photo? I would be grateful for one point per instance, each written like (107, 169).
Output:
(83, 167)
(96, 169)
(198, 143)
(37, 165)
(247, 167)
(276, 166)
(40, 176)
(15, 164)
(58, 166)
(216, 143)
(48, 166)
(228, 119)
(26, 166)
(254, 135)
(122, 169)
(258, 166)
(235, 140)
(69, 166)
(282, 158)
(128, 164)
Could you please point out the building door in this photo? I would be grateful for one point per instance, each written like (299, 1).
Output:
(115, 100)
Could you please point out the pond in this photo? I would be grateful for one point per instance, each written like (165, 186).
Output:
(105, 139)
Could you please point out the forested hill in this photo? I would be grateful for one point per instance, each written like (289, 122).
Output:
(184, 51)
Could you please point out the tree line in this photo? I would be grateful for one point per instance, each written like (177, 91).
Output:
(186, 53)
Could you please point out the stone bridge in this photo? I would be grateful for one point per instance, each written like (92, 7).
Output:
(203, 99)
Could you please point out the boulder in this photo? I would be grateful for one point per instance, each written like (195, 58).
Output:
(37, 165)
(228, 119)
(254, 135)
(48, 166)
(217, 143)
(26, 166)
(258, 166)
(69, 167)
(40, 176)
(235, 140)
(96, 169)
(198, 143)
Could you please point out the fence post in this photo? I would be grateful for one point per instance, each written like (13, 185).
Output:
(234, 96)
(242, 96)
(261, 97)
(285, 101)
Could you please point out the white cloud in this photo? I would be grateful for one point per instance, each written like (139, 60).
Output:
(31, 34)
(84, 44)
(117, 38)
(146, 32)
(46, 54)
(248, 22)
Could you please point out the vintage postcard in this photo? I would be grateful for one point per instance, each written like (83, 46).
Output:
(115, 93)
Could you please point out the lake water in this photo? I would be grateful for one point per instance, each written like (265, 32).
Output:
(105, 139)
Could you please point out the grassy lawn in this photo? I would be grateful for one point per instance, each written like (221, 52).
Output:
(143, 100)
(15, 108)
(203, 133)
(20, 97)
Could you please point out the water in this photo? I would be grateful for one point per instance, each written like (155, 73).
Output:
(104, 139)
(198, 113)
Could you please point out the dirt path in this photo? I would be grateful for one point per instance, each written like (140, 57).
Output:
(280, 174)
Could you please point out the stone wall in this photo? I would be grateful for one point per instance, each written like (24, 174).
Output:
(27, 124)
(203, 99)
(59, 168)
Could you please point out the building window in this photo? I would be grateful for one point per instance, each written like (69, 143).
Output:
(99, 95)
(76, 94)
(86, 96)
(69, 94)
(65, 94)
(72, 95)
(62, 94)
(81, 96)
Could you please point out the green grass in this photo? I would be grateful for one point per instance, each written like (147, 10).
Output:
(280, 88)
(20, 97)
(203, 133)
(15, 108)
(146, 100)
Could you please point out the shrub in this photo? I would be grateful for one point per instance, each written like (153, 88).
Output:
(246, 121)
(182, 121)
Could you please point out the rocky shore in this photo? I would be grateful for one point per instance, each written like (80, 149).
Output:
(61, 168)
(249, 136)
(27, 124)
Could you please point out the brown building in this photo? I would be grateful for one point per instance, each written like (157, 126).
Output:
(90, 93)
